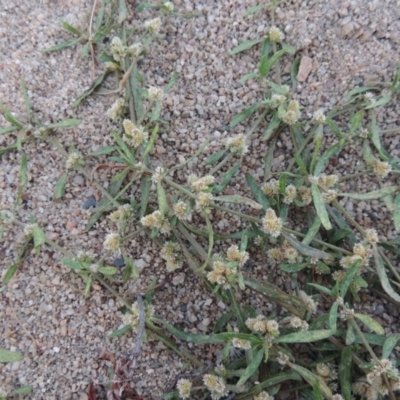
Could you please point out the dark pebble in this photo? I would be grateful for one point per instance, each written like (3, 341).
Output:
(183, 308)
(90, 202)
(119, 262)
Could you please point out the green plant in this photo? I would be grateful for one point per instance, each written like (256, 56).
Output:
(260, 353)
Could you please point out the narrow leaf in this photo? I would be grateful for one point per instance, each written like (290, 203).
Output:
(215, 157)
(305, 336)
(258, 194)
(236, 199)
(248, 44)
(374, 195)
(243, 115)
(59, 188)
(370, 323)
(380, 269)
(345, 368)
(63, 45)
(390, 344)
(251, 368)
(102, 151)
(305, 249)
(95, 85)
(7, 356)
(66, 123)
(121, 331)
(319, 205)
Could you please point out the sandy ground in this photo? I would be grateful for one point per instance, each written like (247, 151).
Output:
(42, 312)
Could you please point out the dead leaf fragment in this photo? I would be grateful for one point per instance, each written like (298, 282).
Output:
(305, 68)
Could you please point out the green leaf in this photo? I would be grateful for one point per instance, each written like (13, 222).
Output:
(245, 114)
(134, 83)
(88, 285)
(193, 337)
(162, 199)
(312, 231)
(120, 332)
(226, 179)
(305, 249)
(258, 194)
(130, 269)
(7, 356)
(335, 129)
(370, 323)
(59, 188)
(246, 77)
(253, 10)
(345, 368)
(333, 313)
(322, 289)
(38, 236)
(73, 264)
(350, 335)
(312, 379)
(272, 125)
(381, 102)
(237, 310)
(222, 321)
(248, 44)
(21, 391)
(102, 151)
(95, 85)
(348, 278)
(215, 157)
(294, 70)
(272, 60)
(122, 11)
(390, 344)
(374, 195)
(7, 129)
(145, 190)
(305, 336)
(171, 83)
(10, 117)
(27, 100)
(150, 143)
(292, 268)
(236, 199)
(380, 269)
(327, 155)
(63, 45)
(122, 145)
(23, 173)
(108, 270)
(319, 205)
(65, 123)
(251, 368)
(396, 213)
(70, 28)
(367, 153)
(356, 121)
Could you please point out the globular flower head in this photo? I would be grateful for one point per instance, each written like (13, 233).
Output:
(363, 133)
(134, 136)
(116, 110)
(203, 201)
(158, 174)
(156, 220)
(277, 100)
(200, 184)
(221, 274)
(291, 255)
(372, 236)
(298, 323)
(290, 194)
(134, 50)
(112, 243)
(168, 6)
(133, 317)
(381, 168)
(282, 358)
(74, 159)
(290, 117)
(328, 180)
(337, 397)
(29, 228)
(118, 50)
(234, 254)
(241, 343)
(263, 396)
(305, 194)
(184, 386)
(122, 213)
(216, 385)
(319, 117)
(310, 304)
(273, 327)
(276, 254)
(182, 210)
(369, 97)
(275, 34)
(271, 188)
(155, 94)
(171, 253)
(271, 223)
(346, 313)
(323, 370)
(94, 268)
(39, 133)
(329, 196)
(237, 144)
(153, 26)
(85, 256)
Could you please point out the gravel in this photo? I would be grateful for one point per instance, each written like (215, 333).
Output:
(43, 312)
